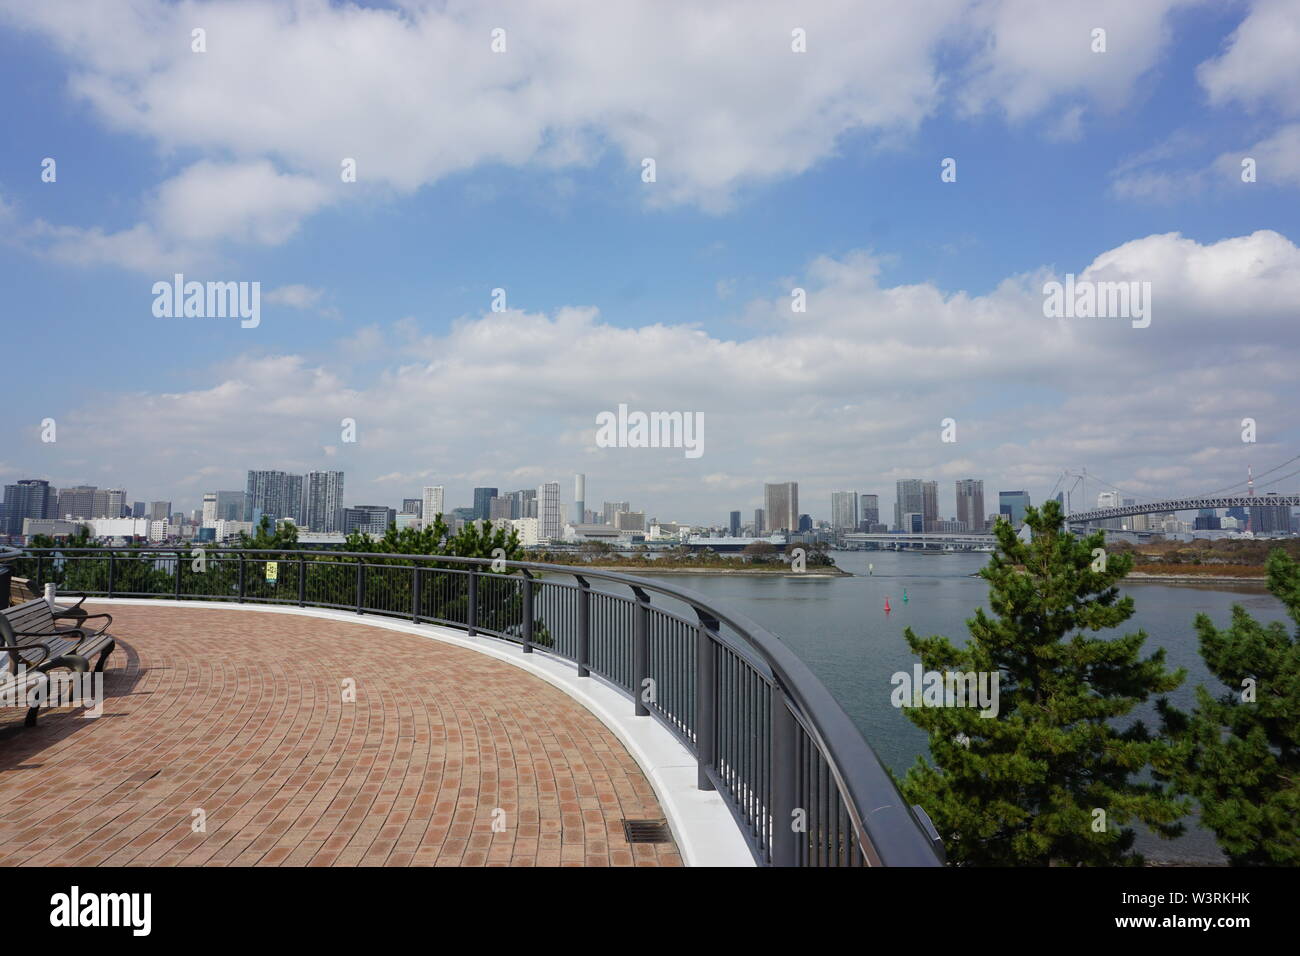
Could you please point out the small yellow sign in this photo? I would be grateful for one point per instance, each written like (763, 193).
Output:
(272, 571)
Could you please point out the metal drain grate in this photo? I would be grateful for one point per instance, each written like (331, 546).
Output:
(647, 831)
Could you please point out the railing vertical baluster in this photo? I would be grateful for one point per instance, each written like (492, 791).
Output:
(180, 558)
(111, 568)
(584, 627)
(415, 594)
(241, 577)
(783, 778)
(640, 649)
(302, 582)
(706, 698)
(528, 612)
(360, 585)
(472, 610)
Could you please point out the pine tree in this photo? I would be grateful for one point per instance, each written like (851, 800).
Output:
(1024, 787)
(1239, 754)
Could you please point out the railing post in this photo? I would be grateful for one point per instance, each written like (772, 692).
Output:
(784, 844)
(584, 627)
(302, 582)
(40, 573)
(641, 650)
(241, 577)
(706, 698)
(528, 613)
(471, 609)
(361, 586)
(180, 559)
(415, 594)
(111, 567)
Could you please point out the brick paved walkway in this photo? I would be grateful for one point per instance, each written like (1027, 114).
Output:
(214, 710)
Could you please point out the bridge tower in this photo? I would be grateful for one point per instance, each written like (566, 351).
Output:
(1250, 492)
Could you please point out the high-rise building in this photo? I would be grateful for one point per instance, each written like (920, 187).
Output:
(482, 501)
(77, 502)
(930, 505)
(781, 505)
(1270, 518)
(28, 498)
(805, 523)
(108, 503)
(629, 521)
(916, 496)
(412, 506)
(139, 510)
(549, 523)
(431, 504)
(322, 501)
(1012, 505)
(523, 504)
(276, 495)
(230, 505)
(970, 503)
(160, 511)
(368, 519)
(868, 511)
(579, 498)
(613, 507)
(499, 508)
(1207, 519)
(209, 519)
(1109, 499)
(734, 525)
(844, 510)
(760, 521)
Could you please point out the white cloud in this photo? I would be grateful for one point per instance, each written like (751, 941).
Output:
(1259, 67)
(188, 216)
(285, 93)
(850, 394)
(415, 95)
(245, 202)
(1156, 177)
(1031, 55)
(1277, 158)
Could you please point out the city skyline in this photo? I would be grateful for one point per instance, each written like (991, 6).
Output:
(320, 506)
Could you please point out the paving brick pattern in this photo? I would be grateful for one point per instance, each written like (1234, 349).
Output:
(242, 715)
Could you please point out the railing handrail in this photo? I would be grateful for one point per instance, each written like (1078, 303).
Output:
(873, 801)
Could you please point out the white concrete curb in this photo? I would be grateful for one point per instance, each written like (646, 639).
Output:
(705, 830)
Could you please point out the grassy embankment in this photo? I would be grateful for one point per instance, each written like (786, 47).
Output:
(1225, 558)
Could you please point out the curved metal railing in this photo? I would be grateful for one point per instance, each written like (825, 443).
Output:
(802, 783)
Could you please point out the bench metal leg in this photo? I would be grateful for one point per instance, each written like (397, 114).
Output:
(73, 662)
(103, 656)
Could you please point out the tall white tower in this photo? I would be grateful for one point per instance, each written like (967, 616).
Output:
(431, 505)
(548, 511)
(579, 499)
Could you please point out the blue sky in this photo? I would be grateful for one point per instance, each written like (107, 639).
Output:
(521, 170)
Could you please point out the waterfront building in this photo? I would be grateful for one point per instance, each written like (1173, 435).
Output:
(781, 505)
(844, 511)
(970, 503)
(323, 502)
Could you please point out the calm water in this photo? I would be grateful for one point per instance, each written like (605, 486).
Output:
(839, 627)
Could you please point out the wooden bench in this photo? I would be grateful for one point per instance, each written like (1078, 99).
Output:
(29, 665)
(20, 591)
(34, 623)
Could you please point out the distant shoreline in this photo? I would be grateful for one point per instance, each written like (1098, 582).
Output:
(1259, 580)
(781, 571)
